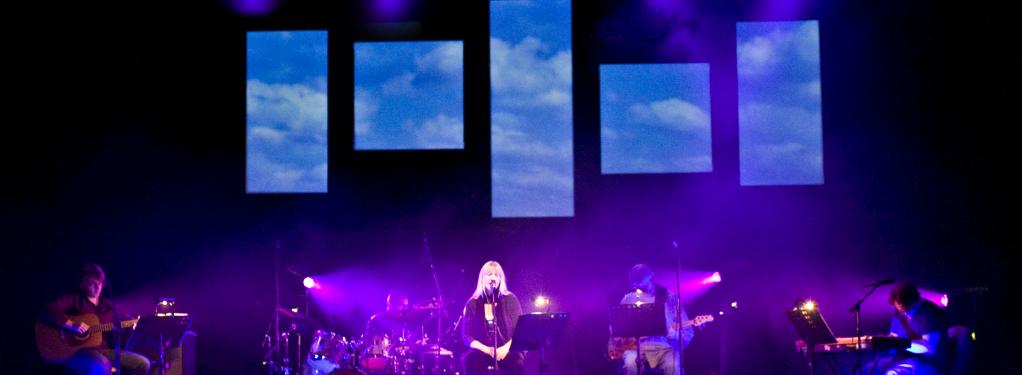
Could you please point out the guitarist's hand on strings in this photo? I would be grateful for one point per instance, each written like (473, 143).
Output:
(77, 327)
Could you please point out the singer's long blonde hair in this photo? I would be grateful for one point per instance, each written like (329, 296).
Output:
(481, 281)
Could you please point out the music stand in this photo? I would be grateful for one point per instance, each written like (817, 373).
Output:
(637, 320)
(166, 329)
(811, 327)
(538, 330)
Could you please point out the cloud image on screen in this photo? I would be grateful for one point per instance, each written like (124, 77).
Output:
(655, 118)
(409, 95)
(286, 112)
(531, 115)
(779, 115)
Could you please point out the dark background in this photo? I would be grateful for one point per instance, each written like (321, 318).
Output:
(126, 147)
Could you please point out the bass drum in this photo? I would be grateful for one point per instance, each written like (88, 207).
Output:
(375, 358)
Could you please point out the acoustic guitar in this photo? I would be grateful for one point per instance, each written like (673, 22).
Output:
(57, 345)
(618, 345)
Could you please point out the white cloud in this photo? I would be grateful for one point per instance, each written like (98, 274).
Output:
(268, 176)
(365, 107)
(296, 109)
(530, 129)
(761, 54)
(401, 84)
(447, 58)
(555, 98)
(520, 71)
(440, 132)
(756, 56)
(508, 141)
(287, 137)
(538, 176)
(812, 89)
(671, 113)
(767, 123)
(265, 134)
(780, 144)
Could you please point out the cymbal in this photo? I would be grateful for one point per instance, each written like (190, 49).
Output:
(429, 304)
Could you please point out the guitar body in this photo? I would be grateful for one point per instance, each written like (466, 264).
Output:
(57, 345)
(618, 345)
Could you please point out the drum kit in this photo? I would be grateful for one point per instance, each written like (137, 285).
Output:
(406, 352)
(409, 350)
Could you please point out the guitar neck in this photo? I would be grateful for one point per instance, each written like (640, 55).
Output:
(105, 327)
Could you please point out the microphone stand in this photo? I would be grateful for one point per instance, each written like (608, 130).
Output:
(493, 299)
(116, 366)
(677, 313)
(275, 349)
(440, 304)
(856, 310)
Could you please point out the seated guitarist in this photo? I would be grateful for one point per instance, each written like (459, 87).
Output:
(659, 353)
(89, 300)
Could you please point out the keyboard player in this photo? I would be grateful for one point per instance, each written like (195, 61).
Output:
(922, 322)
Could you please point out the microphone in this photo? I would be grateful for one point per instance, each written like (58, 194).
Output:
(879, 283)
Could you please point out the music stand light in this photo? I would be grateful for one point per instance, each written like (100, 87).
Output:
(811, 327)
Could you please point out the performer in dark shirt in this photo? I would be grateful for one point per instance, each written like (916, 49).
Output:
(393, 322)
(490, 316)
(925, 324)
(89, 300)
(658, 352)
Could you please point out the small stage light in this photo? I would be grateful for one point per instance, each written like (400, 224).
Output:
(542, 301)
(308, 282)
(712, 279)
(164, 305)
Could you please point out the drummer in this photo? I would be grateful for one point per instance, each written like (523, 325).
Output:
(393, 322)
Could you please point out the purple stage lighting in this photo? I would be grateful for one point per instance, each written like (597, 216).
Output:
(309, 283)
(389, 9)
(254, 7)
(936, 297)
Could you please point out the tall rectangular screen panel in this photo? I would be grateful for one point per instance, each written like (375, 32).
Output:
(409, 95)
(286, 112)
(531, 109)
(779, 116)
